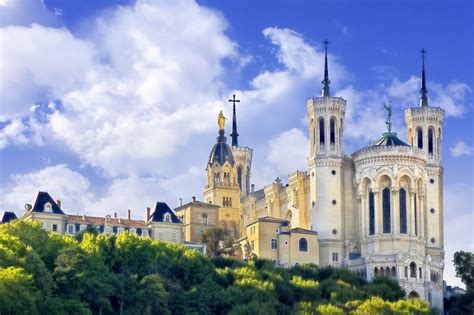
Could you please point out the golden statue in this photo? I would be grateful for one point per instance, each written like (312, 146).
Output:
(221, 120)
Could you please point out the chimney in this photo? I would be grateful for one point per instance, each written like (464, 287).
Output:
(180, 202)
(194, 199)
(129, 214)
(115, 215)
(252, 188)
(58, 202)
(147, 213)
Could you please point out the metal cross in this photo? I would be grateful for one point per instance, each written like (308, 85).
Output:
(423, 52)
(233, 100)
(326, 43)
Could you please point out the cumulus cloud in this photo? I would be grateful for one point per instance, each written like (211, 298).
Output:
(59, 180)
(289, 151)
(451, 97)
(461, 148)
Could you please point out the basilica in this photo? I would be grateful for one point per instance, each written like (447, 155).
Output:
(377, 211)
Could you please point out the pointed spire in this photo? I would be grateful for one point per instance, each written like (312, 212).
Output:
(326, 81)
(234, 135)
(423, 90)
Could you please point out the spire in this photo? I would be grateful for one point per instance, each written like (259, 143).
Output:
(326, 81)
(423, 90)
(234, 135)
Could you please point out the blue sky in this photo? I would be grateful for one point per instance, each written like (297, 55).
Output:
(112, 105)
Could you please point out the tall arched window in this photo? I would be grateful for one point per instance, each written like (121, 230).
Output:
(371, 213)
(239, 177)
(376, 272)
(412, 270)
(332, 131)
(386, 210)
(303, 244)
(321, 131)
(430, 141)
(403, 211)
(419, 133)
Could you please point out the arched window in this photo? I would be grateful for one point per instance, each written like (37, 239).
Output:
(420, 138)
(303, 245)
(321, 131)
(167, 217)
(371, 213)
(230, 201)
(204, 218)
(403, 211)
(376, 272)
(387, 228)
(416, 222)
(394, 272)
(332, 131)
(430, 141)
(412, 270)
(387, 271)
(239, 177)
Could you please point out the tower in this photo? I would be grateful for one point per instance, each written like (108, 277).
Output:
(242, 155)
(222, 187)
(326, 170)
(424, 130)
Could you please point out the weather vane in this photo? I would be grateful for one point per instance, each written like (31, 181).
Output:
(389, 116)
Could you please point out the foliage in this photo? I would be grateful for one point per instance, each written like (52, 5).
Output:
(48, 273)
(216, 240)
(464, 266)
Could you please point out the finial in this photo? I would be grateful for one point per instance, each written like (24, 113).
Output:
(388, 122)
(326, 81)
(423, 90)
(221, 121)
(234, 135)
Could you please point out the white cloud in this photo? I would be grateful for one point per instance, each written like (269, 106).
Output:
(288, 152)
(59, 180)
(26, 12)
(40, 63)
(461, 148)
(451, 97)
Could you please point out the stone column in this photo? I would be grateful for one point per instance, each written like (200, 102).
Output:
(361, 203)
(395, 211)
(410, 213)
(421, 215)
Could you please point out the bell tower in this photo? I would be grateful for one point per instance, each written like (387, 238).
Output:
(242, 155)
(424, 130)
(222, 187)
(326, 126)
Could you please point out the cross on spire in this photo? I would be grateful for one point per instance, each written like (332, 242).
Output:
(423, 90)
(326, 81)
(234, 135)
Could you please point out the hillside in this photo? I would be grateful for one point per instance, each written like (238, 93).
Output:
(45, 273)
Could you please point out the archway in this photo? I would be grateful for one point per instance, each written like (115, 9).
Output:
(413, 295)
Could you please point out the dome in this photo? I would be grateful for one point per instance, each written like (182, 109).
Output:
(389, 139)
(221, 152)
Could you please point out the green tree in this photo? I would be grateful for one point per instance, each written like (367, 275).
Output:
(214, 238)
(17, 293)
(464, 266)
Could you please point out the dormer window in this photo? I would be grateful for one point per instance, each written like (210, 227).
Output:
(167, 218)
(48, 207)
